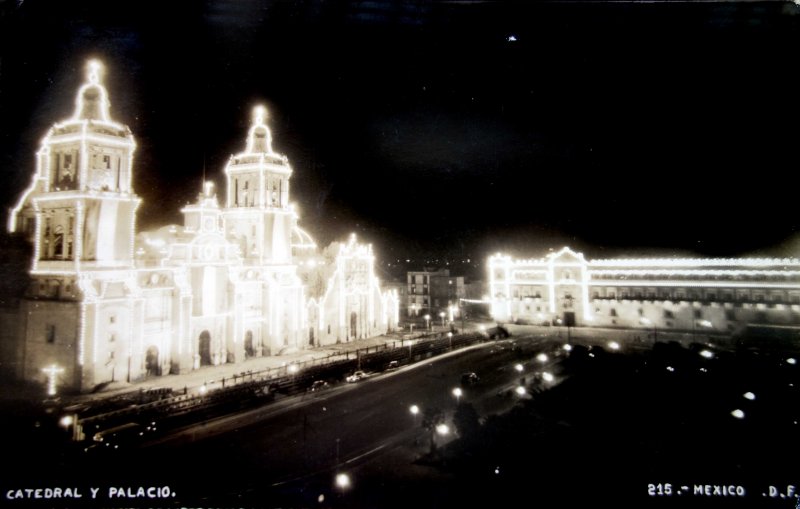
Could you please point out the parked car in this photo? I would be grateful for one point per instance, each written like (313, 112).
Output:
(392, 366)
(356, 376)
(318, 385)
(470, 378)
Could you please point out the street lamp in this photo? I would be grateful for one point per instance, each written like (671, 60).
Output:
(342, 481)
(457, 392)
(428, 322)
(442, 315)
(450, 337)
(414, 409)
(442, 429)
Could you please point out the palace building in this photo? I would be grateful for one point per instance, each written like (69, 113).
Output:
(709, 294)
(237, 280)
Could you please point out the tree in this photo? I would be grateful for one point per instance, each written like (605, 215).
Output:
(431, 418)
(466, 420)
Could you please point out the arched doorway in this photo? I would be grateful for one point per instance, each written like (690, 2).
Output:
(353, 324)
(249, 351)
(204, 348)
(151, 364)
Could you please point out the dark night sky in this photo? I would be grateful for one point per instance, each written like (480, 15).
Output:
(612, 127)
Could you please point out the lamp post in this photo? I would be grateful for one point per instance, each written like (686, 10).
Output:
(428, 322)
(442, 315)
(414, 409)
(457, 392)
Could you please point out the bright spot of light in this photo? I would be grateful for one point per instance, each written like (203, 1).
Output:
(738, 414)
(66, 420)
(342, 480)
(749, 395)
(321, 498)
(511, 38)
(520, 390)
(203, 389)
(457, 392)
(541, 357)
(497, 470)
(414, 409)
(442, 429)
(613, 345)
(293, 368)
(519, 367)
(547, 377)
(791, 360)
(670, 369)
(708, 354)
(567, 347)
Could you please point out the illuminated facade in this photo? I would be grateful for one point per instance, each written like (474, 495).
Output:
(108, 304)
(665, 293)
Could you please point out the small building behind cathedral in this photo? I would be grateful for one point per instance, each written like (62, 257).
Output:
(237, 280)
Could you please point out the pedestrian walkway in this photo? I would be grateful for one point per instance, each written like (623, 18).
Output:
(214, 375)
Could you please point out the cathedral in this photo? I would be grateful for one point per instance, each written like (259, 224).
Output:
(237, 280)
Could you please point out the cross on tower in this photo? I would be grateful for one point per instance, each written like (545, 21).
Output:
(52, 371)
(94, 72)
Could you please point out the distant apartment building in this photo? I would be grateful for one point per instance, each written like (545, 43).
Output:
(433, 292)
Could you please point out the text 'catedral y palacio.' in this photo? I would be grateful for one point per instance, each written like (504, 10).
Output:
(235, 281)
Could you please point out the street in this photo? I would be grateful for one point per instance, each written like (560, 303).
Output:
(278, 449)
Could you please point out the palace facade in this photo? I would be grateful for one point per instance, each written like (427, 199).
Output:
(236, 280)
(711, 294)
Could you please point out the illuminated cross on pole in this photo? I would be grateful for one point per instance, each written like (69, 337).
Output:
(52, 371)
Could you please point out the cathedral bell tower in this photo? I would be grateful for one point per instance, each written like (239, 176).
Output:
(80, 209)
(257, 212)
(82, 307)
